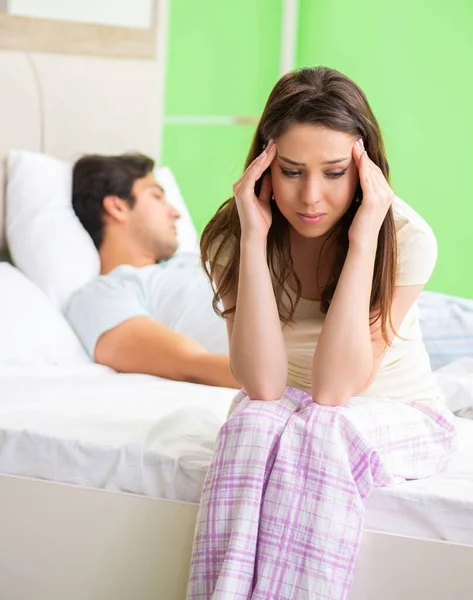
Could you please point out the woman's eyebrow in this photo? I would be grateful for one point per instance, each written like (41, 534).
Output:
(292, 162)
(326, 162)
(335, 161)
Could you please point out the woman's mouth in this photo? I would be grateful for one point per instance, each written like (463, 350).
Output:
(311, 218)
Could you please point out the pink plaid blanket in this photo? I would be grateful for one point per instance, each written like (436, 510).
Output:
(282, 507)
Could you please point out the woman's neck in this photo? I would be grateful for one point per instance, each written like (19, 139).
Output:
(312, 260)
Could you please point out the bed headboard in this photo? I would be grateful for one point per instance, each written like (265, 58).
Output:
(66, 105)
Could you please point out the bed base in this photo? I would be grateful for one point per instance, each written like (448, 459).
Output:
(61, 541)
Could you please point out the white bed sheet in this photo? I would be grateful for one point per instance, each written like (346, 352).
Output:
(92, 427)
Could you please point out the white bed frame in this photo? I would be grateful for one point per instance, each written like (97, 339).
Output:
(62, 542)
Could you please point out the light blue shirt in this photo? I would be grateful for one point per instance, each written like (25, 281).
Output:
(176, 293)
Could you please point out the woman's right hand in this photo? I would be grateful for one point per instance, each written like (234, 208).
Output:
(255, 212)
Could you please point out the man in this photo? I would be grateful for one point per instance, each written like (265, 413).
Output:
(132, 317)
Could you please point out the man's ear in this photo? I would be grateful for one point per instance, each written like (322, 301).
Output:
(116, 208)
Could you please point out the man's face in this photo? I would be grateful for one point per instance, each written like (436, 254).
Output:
(152, 221)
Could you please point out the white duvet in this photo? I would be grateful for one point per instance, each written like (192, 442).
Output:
(456, 381)
(90, 426)
(94, 427)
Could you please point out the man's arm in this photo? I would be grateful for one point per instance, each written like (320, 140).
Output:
(142, 345)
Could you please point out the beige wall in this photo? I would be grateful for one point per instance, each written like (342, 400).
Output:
(130, 13)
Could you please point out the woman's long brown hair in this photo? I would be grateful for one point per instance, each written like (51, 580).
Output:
(323, 97)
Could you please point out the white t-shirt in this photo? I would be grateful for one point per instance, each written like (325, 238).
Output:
(175, 292)
(405, 372)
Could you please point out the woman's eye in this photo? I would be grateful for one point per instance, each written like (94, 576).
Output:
(290, 173)
(295, 173)
(336, 175)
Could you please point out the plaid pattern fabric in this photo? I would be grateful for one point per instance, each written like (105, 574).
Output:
(282, 507)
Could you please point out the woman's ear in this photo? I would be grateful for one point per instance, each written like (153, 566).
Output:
(116, 208)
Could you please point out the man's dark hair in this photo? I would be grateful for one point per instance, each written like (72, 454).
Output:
(95, 176)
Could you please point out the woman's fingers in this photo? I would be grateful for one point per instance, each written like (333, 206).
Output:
(262, 162)
(266, 189)
(254, 171)
(365, 173)
(377, 179)
(357, 151)
(372, 178)
(266, 158)
(362, 161)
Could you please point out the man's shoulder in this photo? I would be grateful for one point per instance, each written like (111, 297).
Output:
(101, 285)
(97, 283)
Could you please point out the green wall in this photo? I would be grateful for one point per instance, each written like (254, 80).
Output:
(413, 59)
(223, 60)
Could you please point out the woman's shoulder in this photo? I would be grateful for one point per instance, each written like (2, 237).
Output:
(407, 220)
(416, 245)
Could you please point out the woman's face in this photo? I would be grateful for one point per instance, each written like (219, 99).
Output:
(314, 177)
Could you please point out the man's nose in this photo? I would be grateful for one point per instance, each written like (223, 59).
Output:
(175, 214)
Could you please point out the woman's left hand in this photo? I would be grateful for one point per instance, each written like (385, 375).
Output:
(377, 198)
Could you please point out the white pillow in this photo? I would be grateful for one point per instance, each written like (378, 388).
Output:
(447, 327)
(46, 239)
(187, 236)
(33, 331)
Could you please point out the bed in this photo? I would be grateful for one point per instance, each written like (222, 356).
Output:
(100, 473)
(138, 434)
(100, 482)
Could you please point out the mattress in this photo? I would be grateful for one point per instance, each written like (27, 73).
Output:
(92, 427)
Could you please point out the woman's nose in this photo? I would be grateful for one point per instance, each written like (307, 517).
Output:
(311, 194)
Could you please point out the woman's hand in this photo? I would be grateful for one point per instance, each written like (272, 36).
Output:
(255, 212)
(377, 198)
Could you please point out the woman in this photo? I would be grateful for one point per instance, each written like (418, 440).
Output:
(318, 266)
